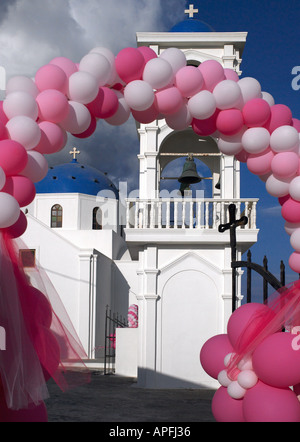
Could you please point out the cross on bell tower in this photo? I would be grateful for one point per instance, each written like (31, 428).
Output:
(191, 11)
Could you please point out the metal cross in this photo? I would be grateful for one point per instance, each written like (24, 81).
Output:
(232, 226)
(191, 11)
(74, 152)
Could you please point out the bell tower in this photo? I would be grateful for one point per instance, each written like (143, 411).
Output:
(184, 273)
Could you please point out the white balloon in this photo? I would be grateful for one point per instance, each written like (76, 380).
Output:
(291, 227)
(256, 140)
(236, 391)
(231, 145)
(228, 358)
(295, 240)
(268, 98)
(36, 168)
(202, 105)
(247, 379)
(158, 73)
(224, 379)
(22, 83)
(112, 60)
(180, 120)
(285, 139)
(78, 119)
(20, 103)
(123, 113)
(227, 94)
(250, 88)
(2, 178)
(139, 95)
(245, 363)
(98, 66)
(83, 87)
(24, 130)
(276, 187)
(175, 57)
(9, 210)
(294, 189)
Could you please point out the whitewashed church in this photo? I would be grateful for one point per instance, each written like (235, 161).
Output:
(168, 257)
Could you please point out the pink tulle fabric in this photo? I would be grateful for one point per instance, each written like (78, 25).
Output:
(283, 314)
(41, 342)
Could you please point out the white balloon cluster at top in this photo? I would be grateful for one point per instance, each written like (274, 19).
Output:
(65, 97)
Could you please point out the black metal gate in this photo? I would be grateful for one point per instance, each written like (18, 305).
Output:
(112, 322)
(268, 277)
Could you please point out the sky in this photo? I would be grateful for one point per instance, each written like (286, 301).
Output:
(32, 32)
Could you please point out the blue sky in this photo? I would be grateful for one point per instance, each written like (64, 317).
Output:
(33, 32)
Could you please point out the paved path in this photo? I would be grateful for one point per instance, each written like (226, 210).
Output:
(116, 399)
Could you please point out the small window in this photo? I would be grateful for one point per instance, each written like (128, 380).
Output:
(97, 218)
(56, 216)
(27, 257)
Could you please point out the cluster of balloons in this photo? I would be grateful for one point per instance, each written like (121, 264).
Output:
(263, 385)
(67, 97)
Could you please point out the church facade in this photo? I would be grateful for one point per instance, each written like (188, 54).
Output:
(160, 252)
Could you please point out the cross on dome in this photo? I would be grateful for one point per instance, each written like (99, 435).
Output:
(191, 11)
(74, 152)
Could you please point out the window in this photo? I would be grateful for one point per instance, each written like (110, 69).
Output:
(56, 216)
(27, 257)
(97, 218)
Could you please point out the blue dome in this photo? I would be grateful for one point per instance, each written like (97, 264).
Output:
(73, 177)
(191, 25)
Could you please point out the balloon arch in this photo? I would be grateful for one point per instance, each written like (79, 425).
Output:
(66, 97)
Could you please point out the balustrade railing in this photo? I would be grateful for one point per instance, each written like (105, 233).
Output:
(186, 213)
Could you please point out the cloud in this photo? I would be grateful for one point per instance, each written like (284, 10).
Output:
(34, 31)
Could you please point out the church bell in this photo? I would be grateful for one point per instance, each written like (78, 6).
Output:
(189, 173)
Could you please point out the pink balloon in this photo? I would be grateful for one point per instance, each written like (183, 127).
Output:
(260, 164)
(285, 164)
(230, 74)
(13, 157)
(242, 156)
(40, 307)
(51, 76)
(294, 262)
(123, 113)
(230, 121)
(290, 211)
(212, 73)
(180, 120)
(53, 106)
(147, 116)
(226, 409)
(205, 127)
(296, 124)
(67, 65)
(264, 403)
(276, 362)
(189, 81)
(32, 414)
(256, 112)
(3, 132)
(3, 117)
(130, 64)
(283, 199)
(169, 100)
(52, 138)
(17, 229)
(105, 104)
(242, 319)
(21, 188)
(281, 115)
(213, 353)
(147, 53)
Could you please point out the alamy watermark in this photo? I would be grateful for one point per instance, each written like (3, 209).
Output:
(2, 339)
(296, 79)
